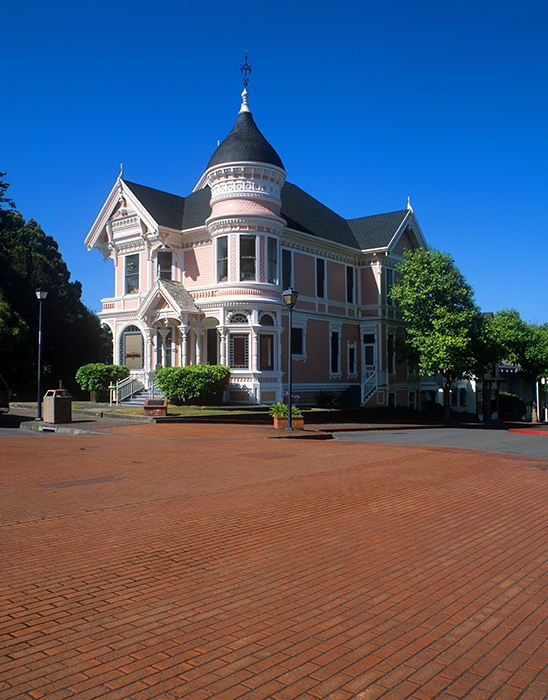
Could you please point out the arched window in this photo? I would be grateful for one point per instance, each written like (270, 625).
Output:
(267, 320)
(238, 318)
(131, 348)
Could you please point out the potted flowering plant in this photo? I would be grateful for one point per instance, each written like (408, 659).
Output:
(280, 410)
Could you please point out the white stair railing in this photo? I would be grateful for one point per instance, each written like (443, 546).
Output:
(125, 388)
(369, 387)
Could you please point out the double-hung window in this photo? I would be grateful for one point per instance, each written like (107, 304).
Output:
(335, 352)
(320, 277)
(222, 259)
(287, 278)
(132, 274)
(352, 370)
(266, 352)
(369, 349)
(272, 261)
(165, 262)
(248, 258)
(349, 284)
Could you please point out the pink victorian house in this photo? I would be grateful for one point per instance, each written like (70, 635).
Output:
(200, 279)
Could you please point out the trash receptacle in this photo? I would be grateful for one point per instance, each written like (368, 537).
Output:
(57, 406)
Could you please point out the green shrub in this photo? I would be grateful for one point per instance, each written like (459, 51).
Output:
(511, 406)
(98, 376)
(195, 384)
(326, 399)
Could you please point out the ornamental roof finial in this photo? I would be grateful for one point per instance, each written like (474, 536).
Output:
(245, 69)
(409, 207)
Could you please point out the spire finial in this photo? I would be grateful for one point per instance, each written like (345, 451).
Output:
(245, 69)
(121, 175)
(409, 207)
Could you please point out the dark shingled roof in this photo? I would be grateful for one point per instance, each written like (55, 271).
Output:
(245, 143)
(304, 213)
(173, 211)
(376, 231)
(301, 211)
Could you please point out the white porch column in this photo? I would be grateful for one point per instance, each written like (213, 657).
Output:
(198, 346)
(222, 345)
(147, 360)
(183, 330)
(255, 348)
(164, 332)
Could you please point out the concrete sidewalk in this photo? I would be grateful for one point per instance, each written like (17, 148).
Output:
(191, 561)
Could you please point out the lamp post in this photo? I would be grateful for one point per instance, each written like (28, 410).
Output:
(290, 298)
(41, 294)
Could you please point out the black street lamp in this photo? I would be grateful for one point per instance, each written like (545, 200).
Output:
(290, 298)
(41, 294)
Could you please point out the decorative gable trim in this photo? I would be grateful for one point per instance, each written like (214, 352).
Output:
(168, 297)
(120, 193)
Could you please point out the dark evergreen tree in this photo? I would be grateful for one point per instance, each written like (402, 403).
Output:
(72, 335)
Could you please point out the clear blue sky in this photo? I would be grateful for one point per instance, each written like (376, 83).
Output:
(366, 103)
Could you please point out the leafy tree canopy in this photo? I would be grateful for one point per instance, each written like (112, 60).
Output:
(445, 326)
(524, 344)
(438, 303)
(72, 334)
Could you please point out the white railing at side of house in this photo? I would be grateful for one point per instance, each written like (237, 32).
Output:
(369, 387)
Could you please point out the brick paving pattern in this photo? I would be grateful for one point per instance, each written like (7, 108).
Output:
(194, 561)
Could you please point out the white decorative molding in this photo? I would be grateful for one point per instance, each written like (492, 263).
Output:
(230, 224)
(126, 222)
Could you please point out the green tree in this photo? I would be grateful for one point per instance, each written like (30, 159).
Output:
(16, 356)
(523, 344)
(72, 334)
(444, 326)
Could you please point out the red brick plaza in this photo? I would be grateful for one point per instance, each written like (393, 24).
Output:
(180, 561)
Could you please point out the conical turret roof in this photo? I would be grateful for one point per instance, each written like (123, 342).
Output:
(245, 143)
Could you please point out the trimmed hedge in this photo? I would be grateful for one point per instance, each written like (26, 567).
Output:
(195, 384)
(98, 376)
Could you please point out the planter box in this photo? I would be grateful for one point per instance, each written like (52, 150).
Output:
(281, 423)
(155, 407)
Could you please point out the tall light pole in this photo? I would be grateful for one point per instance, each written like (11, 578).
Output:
(290, 297)
(41, 294)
